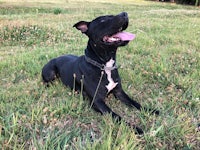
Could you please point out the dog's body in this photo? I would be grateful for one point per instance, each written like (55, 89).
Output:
(96, 70)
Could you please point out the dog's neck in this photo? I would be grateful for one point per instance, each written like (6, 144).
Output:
(100, 54)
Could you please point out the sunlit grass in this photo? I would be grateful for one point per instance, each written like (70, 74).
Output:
(159, 69)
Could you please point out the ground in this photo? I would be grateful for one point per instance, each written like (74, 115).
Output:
(160, 69)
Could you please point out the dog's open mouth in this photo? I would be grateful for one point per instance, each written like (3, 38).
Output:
(120, 36)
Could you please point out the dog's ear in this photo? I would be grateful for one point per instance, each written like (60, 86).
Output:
(82, 26)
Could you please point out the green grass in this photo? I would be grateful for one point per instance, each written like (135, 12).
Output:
(160, 69)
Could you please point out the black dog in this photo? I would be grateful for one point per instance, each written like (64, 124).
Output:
(97, 68)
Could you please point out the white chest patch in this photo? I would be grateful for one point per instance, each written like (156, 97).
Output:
(111, 85)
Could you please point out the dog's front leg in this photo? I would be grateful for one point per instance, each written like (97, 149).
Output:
(122, 96)
(100, 106)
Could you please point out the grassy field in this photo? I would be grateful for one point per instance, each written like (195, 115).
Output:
(160, 69)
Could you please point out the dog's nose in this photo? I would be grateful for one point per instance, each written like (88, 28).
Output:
(123, 14)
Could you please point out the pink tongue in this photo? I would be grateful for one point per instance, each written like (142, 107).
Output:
(125, 36)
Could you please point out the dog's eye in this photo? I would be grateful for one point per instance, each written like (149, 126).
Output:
(102, 20)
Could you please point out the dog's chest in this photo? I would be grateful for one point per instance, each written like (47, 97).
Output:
(111, 84)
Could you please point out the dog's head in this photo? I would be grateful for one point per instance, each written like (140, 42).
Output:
(107, 31)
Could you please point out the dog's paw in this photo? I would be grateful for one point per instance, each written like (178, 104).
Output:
(154, 111)
(139, 131)
(157, 112)
(136, 128)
